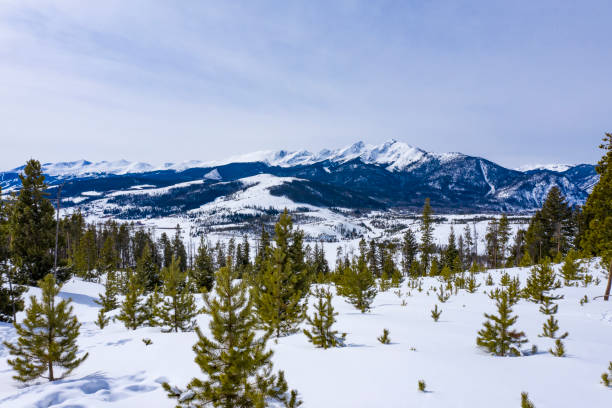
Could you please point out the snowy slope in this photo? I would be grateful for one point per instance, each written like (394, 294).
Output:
(122, 372)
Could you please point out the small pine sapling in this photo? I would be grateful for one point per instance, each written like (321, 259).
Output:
(505, 279)
(559, 350)
(102, 320)
(540, 282)
(435, 313)
(132, 312)
(550, 328)
(489, 280)
(571, 270)
(472, 284)
(525, 403)
(384, 338)
(606, 378)
(147, 341)
(497, 337)
(421, 385)
(321, 333)
(442, 295)
(108, 300)
(584, 300)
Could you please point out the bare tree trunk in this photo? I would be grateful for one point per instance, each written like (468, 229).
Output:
(607, 294)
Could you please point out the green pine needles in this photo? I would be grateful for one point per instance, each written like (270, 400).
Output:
(384, 338)
(525, 402)
(497, 337)
(540, 282)
(435, 313)
(321, 333)
(421, 385)
(558, 350)
(132, 313)
(237, 365)
(357, 284)
(47, 337)
(178, 309)
(102, 320)
(606, 378)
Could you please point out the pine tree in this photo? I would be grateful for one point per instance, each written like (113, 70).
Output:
(102, 320)
(203, 273)
(497, 336)
(108, 300)
(597, 214)
(426, 246)
(147, 270)
(237, 365)
(358, 285)
(32, 227)
(47, 337)
(525, 403)
(384, 338)
(409, 250)
(178, 308)
(571, 270)
(550, 328)
(559, 350)
(132, 312)
(279, 306)
(11, 300)
(493, 243)
(321, 333)
(540, 282)
(152, 308)
(107, 261)
(606, 378)
(504, 232)
(435, 313)
(526, 260)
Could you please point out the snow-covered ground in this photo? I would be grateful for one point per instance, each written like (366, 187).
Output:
(122, 371)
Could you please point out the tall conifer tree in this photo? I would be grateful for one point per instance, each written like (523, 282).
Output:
(46, 337)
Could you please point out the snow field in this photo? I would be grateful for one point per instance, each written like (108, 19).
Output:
(122, 372)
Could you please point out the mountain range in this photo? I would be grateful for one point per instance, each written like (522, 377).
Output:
(357, 177)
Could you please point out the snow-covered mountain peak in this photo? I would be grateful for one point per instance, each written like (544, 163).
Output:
(559, 168)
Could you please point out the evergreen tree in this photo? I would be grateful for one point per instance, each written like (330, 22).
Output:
(571, 270)
(525, 402)
(32, 227)
(282, 288)
(178, 309)
(526, 260)
(108, 300)
(132, 311)
(102, 320)
(597, 213)
(178, 249)
(540, 282)
(469, 244)
(47, 337)
(384, 338)
(358, 285)
(321, 333)
(559, 350)
(426, 246)
(493, 243)
(146, 270)
(435, 313)
(451, 253)
(11, 300)
(409, 251)
(279, 305)
(497, 337)
(504, 237)
(107, 261)
(237, 365)
(203, 273)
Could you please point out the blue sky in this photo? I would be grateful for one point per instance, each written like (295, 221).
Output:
(517, 82)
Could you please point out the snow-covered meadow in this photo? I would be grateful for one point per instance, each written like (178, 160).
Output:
(122, 371)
